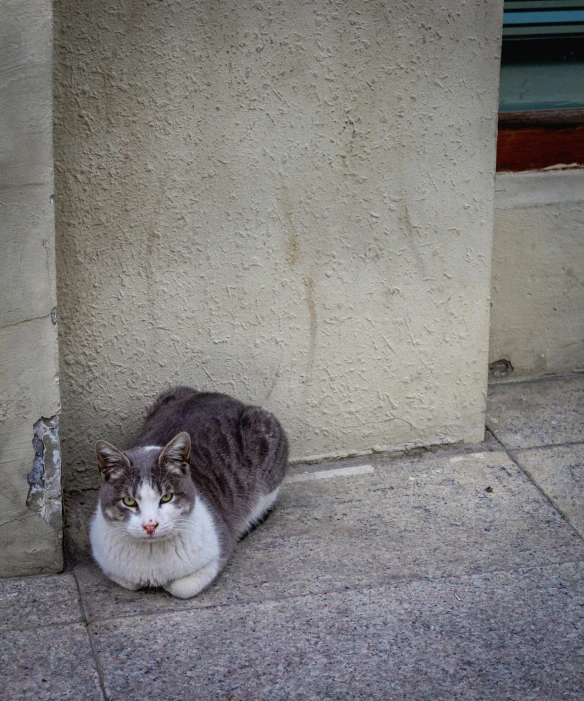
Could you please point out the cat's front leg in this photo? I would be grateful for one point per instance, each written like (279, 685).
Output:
(188, 586)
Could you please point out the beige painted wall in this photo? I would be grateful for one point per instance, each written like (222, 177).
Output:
(290, 202)
(537, 316)
(30, 513)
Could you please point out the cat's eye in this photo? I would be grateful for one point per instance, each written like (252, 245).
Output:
(165, 498)
(128, 501)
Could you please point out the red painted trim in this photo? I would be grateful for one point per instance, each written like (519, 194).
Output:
(533, 142)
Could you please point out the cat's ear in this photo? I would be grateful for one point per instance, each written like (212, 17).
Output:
(175, 455)
(111, 461)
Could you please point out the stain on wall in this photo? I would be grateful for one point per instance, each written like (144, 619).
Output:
(289, 202)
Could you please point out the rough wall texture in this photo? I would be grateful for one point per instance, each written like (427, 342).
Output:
(30, 495)
(291, 202)
(537, 316)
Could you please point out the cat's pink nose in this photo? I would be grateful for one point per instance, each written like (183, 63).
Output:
(150, 528)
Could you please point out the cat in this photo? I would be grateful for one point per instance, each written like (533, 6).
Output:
(203, 470)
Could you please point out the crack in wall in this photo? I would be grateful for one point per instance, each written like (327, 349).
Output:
(44, 495)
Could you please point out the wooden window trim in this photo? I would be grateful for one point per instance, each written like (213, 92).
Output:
(533, 140)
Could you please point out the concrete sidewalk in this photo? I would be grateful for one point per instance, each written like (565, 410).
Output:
(448, 574)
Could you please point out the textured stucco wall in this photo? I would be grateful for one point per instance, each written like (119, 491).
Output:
(290, 202)
(537, 316)
(30, 497)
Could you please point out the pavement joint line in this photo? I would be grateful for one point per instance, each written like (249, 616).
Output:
(369, 587)
(43, 626)
(94, 653)
(531, 380)
(567, 444)
(378, 457)
(526, 472)
(97, 661)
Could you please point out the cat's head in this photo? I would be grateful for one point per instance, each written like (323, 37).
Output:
(146, 492)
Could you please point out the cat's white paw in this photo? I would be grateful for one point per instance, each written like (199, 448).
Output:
(186, 587)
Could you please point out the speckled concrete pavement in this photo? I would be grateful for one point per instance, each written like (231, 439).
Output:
(448, 574)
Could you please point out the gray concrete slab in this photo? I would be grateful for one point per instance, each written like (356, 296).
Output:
(514, 636)
(440, 575)
(29, 602)
(559, 471)
(533, 414)
(442, 513)
(49, 663)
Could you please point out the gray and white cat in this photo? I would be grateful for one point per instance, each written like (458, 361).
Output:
(202, 471)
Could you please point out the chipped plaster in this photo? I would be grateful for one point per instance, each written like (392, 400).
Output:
(44, 495)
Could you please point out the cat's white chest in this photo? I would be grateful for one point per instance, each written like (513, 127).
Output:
(142, 562)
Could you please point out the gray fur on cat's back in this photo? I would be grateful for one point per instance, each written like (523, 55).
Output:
(238, 452)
